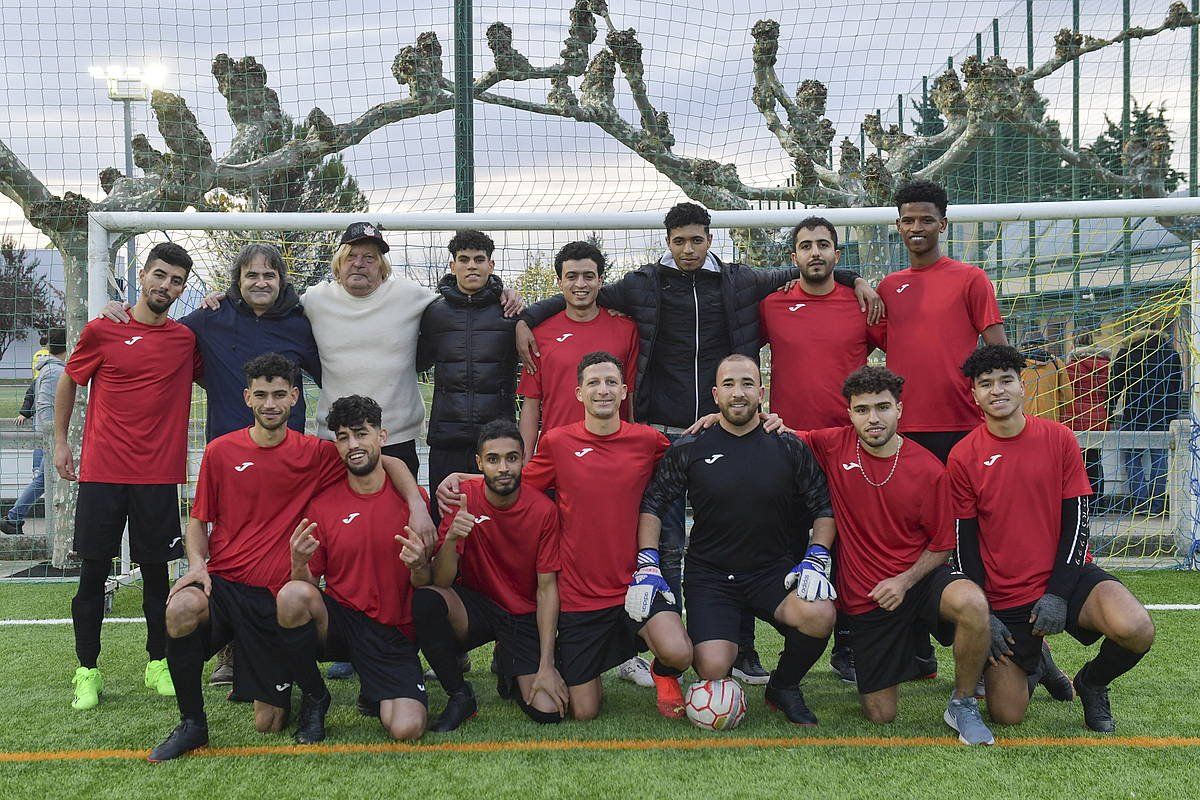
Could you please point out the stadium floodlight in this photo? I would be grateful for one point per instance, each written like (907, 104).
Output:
(129, 85)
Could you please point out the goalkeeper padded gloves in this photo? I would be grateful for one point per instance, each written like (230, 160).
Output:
(1049, 614)
(811, 576)
(1002, 638)
(647, 582)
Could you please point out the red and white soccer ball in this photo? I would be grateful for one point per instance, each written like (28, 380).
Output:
(716, 705)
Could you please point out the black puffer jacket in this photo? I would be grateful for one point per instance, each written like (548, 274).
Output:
(639, 294)
(472, 349)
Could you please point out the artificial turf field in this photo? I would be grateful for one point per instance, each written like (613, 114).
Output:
(49, 750)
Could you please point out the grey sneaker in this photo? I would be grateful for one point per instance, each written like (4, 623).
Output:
(963, 715)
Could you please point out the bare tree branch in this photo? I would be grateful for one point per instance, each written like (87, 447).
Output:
(18, 183)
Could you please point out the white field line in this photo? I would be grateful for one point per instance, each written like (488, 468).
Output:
(67, 621)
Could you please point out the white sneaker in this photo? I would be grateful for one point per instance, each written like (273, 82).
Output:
(636, 670)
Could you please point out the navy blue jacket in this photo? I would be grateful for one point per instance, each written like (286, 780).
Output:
(231, 336)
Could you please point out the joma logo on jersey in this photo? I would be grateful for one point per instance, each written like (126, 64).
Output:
(995, 457)
(133, 340)
(713, 458)
(902, 287)
(583, 452)
(564, 337)
(797, 307)
(245, 465)
(484, 518)
(279, 687)
(851, 465)
(351, 518)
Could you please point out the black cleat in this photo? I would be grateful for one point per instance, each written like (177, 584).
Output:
(1097, 714)
(790, 700)
(748, 669)
(366, 707)
(842, 661)
(506, 686)
(460, 707)
(1054, 679)
(188, 735)
(310, 727)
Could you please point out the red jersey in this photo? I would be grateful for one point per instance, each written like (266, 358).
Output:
(1015, 487)
(881, 530)
(563, 343)
(598, 482)
(358, 553)
(255, 496)
(508, 547)
(935, 316)
(137, 411)
(816, 341)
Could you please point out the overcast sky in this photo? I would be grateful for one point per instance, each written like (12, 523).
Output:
(698, 65)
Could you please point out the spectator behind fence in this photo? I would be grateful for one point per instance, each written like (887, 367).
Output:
(40, 408)
(1047, 388)
(1087, 370)
(1147, 376)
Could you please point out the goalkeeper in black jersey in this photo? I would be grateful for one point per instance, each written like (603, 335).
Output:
(749, 489)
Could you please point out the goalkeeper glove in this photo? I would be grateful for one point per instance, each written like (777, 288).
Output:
(1002, 638)
(811, 575)
(647, 582)
(1049, 615)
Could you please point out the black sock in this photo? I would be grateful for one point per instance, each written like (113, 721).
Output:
(431, 616)
(87, 609)
(663, 671)
(746, 632)
(841, 633)
(154, 605)
(1110, 663)
(185, 660)
(800, 652)
(300, 651)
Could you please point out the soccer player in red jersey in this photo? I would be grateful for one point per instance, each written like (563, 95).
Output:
(817, 332)
(895, 533)
(749, 489)
(938, 309)
(1020, 494)
(364, 615)
(134, 456)
(253, 488)
(598, 469)
(502, 544)
(568, 336)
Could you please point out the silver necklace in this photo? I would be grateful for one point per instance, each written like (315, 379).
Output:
(862, 465)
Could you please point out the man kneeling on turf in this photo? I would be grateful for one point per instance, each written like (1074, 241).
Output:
(364, 616)
(1020, 492)
(891, 500)
(502, 545)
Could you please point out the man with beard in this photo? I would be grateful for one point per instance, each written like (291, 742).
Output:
(1020, 494)
(598, 470)
(895, 535)
(134, 456)
(495, 579)
(739, 554)
(254, 485)
(364, 614)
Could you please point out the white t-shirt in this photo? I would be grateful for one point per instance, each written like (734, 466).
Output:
(368, 346)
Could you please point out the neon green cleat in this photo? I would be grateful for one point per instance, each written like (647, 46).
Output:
(89, 684)
(158, 678)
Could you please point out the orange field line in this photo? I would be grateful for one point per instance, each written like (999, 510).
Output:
(560, 745)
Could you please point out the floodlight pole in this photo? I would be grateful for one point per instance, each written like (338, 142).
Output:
(464, 110)
(131, 284)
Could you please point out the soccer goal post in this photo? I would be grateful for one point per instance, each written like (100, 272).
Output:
(1103, 294)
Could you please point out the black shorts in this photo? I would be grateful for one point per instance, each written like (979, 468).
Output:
(885, 643)
(518, 647)
(715, 600)
(384, 658)
(155, 536)
(1027, 650)
(245, 615)
(590, 642)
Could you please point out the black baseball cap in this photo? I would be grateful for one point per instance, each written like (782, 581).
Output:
(361, 231)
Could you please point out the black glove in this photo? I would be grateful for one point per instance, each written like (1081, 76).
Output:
(1049, 615)
(1001, 639)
